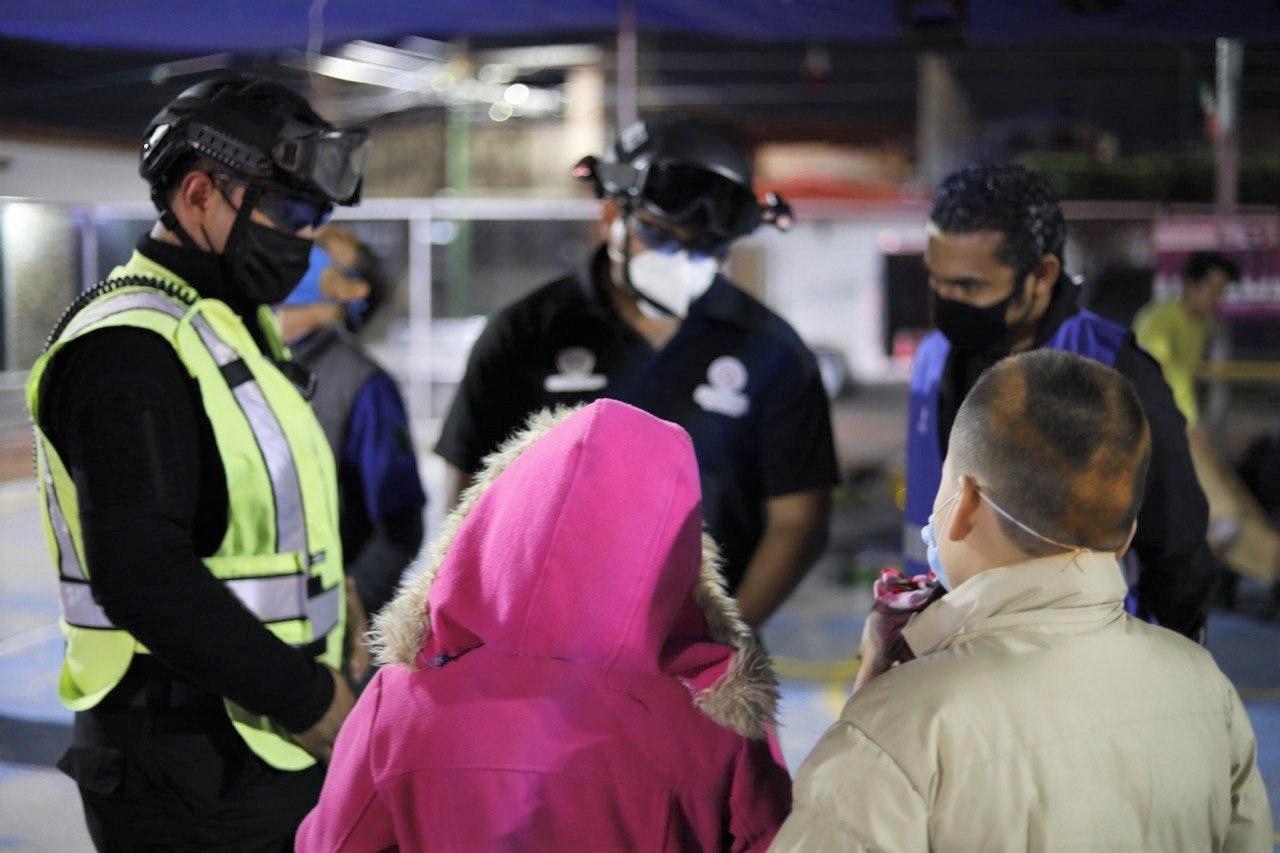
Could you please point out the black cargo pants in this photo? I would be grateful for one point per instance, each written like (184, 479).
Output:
(157, 777)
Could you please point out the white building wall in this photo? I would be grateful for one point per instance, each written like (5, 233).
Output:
(67, 172)
(825, 278)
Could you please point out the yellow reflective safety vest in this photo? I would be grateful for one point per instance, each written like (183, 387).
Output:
(281, 554)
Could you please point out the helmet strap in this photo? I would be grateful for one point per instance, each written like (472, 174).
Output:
(627, 214)
(170, 221)
(247, 203)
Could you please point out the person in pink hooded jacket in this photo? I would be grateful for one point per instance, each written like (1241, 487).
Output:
(568, 672)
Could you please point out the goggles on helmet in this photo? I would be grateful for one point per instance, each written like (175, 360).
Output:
(697, 198)
(332, 161)
(706, 203)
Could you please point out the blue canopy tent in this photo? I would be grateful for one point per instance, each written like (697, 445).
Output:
(266, 26)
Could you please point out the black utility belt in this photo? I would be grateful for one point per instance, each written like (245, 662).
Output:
(149, 684)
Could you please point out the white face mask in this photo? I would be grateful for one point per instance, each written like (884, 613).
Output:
(667, 282)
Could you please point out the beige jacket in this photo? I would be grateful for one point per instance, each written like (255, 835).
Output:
(1038, 716)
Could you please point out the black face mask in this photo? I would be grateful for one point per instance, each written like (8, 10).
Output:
(261, 263)
(970, 328)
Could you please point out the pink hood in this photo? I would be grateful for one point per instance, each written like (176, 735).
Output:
(582, 540)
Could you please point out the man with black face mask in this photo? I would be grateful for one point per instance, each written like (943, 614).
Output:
(997, 286)
(189, 493)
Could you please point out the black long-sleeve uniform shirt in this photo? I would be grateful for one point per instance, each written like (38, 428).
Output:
(1177, 569)
(127, 420)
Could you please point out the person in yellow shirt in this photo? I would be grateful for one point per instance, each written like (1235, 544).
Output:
(1177, 332)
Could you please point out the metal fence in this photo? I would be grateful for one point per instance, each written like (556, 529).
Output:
(457, 260)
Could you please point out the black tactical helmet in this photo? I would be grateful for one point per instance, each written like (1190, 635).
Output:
(263, 133)
(684, 173)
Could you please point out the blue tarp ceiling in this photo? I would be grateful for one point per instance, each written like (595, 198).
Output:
(266, 26)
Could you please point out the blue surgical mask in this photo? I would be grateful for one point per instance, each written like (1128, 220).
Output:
(931, 546)
(931, 539)
(309, 291)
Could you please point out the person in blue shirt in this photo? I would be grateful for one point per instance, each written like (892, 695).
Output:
(361, 410)
(994, 256)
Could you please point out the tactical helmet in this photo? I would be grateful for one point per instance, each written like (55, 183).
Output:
(263, 133)
(684, 173)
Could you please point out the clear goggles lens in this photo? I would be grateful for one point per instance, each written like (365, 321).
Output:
(699, 199)
(333, 161)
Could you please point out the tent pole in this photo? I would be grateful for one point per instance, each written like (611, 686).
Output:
(626, 76)
(1230, 62)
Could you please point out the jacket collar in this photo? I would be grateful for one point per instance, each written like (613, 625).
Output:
(200, 272)
(1084, 589)
(312, 344)
(1063, 305)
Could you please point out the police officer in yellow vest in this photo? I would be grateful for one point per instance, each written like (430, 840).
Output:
(189, 493)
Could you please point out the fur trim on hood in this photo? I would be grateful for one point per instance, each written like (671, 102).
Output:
(744, 699)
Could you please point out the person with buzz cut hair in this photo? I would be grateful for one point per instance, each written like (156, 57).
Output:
(995, 247)
(1037, 714)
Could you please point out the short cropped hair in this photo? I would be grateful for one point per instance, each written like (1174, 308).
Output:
(1200, 264)
(1007, 198)
(170, 183)
(1061, 443)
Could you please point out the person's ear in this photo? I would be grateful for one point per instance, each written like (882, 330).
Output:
(346, 289)
(198, 194)
(1124, 549)
(965, 514)
(1044, 274)
(338, 288)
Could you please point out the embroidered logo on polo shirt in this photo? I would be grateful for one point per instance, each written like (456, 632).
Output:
(575, 365)
(726, 380)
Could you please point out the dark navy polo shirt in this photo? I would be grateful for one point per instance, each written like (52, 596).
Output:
(735, 376)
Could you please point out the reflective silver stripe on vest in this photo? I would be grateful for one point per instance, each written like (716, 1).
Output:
(119, 304)
(273, 599)
(912, 544)
(291, 525)
(323, 611)
(291, 521)
(270, 599)
(79, 608)
(68, 560)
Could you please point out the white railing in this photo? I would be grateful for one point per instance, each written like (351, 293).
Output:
(13, 402)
